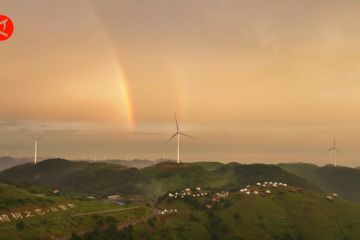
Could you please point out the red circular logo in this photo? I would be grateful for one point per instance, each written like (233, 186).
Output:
(6, 28)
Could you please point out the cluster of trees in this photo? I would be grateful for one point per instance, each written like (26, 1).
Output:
(106, 229)
(216, 227)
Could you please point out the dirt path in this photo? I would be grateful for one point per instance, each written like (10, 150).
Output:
(108, 211)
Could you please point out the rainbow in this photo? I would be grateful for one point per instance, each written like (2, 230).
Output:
(125, 93)
(120, 74)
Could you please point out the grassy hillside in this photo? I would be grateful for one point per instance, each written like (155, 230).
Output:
(208, 165)
(240, 175)
(102, 179)
(33, 213)
(136, 163)
(49, 172)
(77, 176)
(342, 180)
(169, 176)
(11, 196)
(285, 214)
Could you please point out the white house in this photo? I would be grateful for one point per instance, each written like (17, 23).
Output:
(114, 197)
(329, 198)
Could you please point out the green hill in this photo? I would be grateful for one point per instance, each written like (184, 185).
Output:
(49, 172)
(285, 214)
(11, 196)
(208, 165)
(298, 211)
(136, 163)
(7, 162)
(36, 213)
(240, 175)
(343, 180)
(169, 176)
(102, 179)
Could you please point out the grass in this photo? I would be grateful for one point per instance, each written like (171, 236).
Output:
(342, 180)
(54, 224)
(282, 215)
(64, 223)
(101, 179)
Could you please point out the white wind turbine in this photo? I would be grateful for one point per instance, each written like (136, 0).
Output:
(177, 134)
(335, 150)
(36, 139)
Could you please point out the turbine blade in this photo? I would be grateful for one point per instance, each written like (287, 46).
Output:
(187, 135)
(177, 125)
(337, 150)
(331, 149)
(172, 137)
(41, 136)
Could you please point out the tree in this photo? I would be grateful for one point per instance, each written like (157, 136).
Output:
(193, 217)
(74, 236)
(236, 216)
(20, 225)
(151, 222)
(227, 203)
(288, 236)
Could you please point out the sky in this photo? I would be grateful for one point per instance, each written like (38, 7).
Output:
(254, 81)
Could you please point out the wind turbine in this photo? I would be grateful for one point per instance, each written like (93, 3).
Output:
(335, 150)
(177, 134)
(36, 139)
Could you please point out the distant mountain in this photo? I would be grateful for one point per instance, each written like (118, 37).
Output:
(343, 180)
(7, 162)
(102, 179)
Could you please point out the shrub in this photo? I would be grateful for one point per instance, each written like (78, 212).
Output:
(193, 217)
(236, 216)
(151, 222)
(74, 236)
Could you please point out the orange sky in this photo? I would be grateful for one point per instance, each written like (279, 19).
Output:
(263, 81)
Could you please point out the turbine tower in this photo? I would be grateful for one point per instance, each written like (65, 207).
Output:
(334, 150)
(177, 134)
(36, 139)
